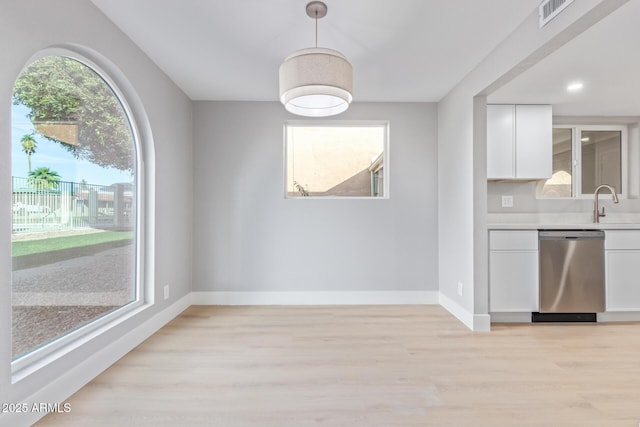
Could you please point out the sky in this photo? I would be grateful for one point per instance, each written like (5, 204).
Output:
(54, 156)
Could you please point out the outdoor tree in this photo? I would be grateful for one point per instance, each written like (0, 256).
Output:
(29, 145)
(44, 178)
(60, 90)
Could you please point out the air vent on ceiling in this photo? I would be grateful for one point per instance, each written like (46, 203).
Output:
(549, 9)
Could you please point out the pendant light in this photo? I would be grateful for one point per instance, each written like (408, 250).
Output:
(316, 82)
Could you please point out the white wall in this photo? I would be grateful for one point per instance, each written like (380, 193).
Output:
(248, 237)
(462, 154)
(28, 26)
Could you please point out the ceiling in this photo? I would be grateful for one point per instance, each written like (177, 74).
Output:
(401, 50)
(605, 58)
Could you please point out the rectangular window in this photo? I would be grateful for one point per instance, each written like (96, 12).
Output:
(585, 157)
(560, 183)
(336, 159)
(601, 159)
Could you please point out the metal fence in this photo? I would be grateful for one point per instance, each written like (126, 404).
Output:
(40, 205)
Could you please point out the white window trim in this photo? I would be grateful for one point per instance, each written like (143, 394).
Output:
(339, 123)
(576, 154)
(29, 363)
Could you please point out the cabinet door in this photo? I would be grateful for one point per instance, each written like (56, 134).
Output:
(500, 141)
(623, 283)
(534, 142)
(513, 281)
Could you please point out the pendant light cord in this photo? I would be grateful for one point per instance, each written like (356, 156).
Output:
(316, 28)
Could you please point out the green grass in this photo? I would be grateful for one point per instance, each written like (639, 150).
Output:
(29, 247)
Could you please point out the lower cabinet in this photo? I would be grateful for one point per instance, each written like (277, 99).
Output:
(513, 271)
(622, 265)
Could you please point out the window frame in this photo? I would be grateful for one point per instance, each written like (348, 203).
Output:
(576, 160)
(385, 124)
(26, 364)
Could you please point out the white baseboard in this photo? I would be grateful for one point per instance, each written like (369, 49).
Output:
(475, 322)
(71, 381)
(619, 316)
(315, 298)
(515, 317)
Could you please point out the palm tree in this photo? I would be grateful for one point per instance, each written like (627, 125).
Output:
(44, 178)
(29, 145)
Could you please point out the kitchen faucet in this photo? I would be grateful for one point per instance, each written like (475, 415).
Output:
(596, 213)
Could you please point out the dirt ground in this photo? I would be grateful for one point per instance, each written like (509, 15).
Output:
(53, 299)
(36, 325)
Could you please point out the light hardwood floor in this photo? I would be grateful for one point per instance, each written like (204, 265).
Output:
(365, 366)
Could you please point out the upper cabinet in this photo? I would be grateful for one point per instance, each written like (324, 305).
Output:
(519, 142)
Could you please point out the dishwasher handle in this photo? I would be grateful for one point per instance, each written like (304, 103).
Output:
(570, 234)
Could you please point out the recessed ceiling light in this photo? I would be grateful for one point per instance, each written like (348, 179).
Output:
(575, 87)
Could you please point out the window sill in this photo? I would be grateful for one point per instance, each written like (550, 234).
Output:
(33, 362)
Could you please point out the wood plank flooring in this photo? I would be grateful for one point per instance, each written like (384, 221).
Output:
(365, 366)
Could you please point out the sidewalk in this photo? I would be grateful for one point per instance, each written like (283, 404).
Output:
(97, 278)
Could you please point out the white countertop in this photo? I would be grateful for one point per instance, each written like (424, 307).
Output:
(562, 221)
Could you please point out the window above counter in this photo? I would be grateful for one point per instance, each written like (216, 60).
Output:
(584, 157)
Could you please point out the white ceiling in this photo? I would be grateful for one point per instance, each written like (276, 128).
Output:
(401, 50)
(605, 58)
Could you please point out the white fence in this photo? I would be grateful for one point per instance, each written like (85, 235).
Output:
(43, 206)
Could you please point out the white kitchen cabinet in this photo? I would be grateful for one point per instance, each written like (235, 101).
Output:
(622, 266)
(500, 141)
(519, 142)
(513, 271)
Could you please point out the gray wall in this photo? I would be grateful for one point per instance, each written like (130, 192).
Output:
(248, 237)
(28, 26)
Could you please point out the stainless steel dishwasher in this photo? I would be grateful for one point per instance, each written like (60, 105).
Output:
(572, 273)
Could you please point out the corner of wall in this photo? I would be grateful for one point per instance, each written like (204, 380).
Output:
(475, 322)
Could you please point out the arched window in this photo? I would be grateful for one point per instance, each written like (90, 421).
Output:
(75, 203)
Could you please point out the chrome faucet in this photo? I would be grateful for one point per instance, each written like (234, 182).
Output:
(596, 213)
